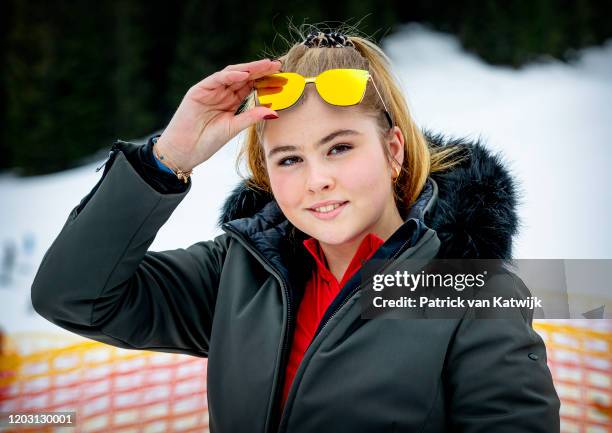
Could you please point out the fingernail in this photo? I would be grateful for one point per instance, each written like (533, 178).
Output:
(270, 116)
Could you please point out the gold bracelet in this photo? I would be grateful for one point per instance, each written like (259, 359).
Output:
(181, 174)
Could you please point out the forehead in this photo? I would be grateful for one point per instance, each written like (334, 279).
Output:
(311, 118)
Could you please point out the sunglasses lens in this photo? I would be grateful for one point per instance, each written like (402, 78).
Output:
(342, 86)
(278, 91)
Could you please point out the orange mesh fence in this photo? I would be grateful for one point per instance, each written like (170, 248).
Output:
(580, 360)
(125, 391)
(110, 389)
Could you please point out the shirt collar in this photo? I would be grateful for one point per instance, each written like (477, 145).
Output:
(368, 246)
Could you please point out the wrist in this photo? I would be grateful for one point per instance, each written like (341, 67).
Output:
(158, 162)
(167, 161)
(168, 155)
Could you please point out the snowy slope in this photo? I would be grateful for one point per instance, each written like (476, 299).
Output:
(551, 121)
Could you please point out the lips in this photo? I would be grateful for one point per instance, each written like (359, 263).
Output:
(331, 212)
(326, 203)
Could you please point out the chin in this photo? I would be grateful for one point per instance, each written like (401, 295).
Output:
(331, 240)
(332, 232)
(334, 236)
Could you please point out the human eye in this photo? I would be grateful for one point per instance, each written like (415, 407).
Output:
(283, 162)
(344, 148)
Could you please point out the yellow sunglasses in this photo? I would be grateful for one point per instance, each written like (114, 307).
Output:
(342, 87)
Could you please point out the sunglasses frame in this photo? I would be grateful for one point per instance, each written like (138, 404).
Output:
(313, 80)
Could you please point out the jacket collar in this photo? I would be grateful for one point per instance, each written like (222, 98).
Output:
(472, 208)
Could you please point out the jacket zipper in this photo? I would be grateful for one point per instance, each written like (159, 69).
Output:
(105, 161)
(264, 261)
(348, 298)
(355, 290)
(114, 148)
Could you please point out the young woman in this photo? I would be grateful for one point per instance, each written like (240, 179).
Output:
(340, 175)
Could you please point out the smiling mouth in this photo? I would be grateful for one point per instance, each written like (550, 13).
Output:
(329, 211)
(328, 208)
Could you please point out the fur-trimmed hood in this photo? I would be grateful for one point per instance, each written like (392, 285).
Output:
(472, 206)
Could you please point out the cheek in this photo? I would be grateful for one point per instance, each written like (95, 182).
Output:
(286, 188)
(365, 174)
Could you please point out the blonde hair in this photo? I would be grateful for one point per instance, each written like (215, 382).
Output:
(420, 159)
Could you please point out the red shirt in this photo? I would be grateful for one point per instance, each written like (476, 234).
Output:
(319, 293)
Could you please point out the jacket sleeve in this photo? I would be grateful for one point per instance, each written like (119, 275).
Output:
(497, 372)
(144, 162)
(98, 280)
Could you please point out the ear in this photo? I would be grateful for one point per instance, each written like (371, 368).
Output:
(395, 144)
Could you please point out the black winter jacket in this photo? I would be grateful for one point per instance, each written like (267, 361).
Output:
(233, 299)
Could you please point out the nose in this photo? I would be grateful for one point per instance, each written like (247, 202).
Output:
(319, 178)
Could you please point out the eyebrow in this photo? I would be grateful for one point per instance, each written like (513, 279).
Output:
(324, 140)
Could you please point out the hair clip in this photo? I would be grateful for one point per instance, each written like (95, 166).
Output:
(327, 39)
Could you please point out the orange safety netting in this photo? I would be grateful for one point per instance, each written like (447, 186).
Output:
(110, 389)
(123, 391)
(580, 360)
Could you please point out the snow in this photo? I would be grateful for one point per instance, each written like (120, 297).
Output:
(550, 120)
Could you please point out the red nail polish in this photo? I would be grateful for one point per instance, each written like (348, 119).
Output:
(270, 116)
